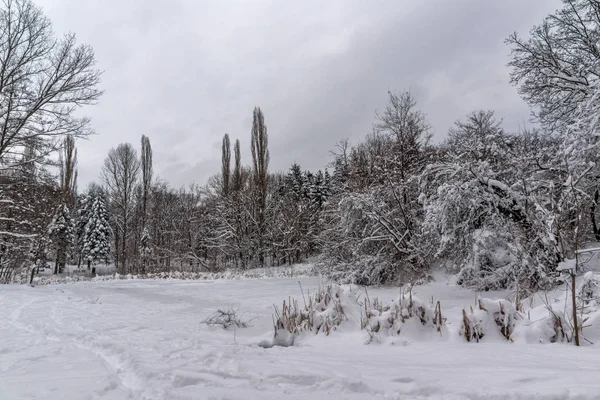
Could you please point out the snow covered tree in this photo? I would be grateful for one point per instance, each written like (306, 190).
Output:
(295, 180)
(97, 233)
(557, 66)
(27, 203)
(372, 227)
(61, 233)
(486, 210)
(557, 71)
(44, 81)
(84, 208)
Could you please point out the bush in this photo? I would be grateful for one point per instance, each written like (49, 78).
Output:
(226, 319)
(322, 313)
(404, 313)
(489, 316)
(333, 305)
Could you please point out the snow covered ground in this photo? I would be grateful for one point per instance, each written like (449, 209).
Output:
(133, 339)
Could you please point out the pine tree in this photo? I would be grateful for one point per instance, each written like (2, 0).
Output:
(327, 185)
(295, 180)
(97, 235)
(61, 232)
(307, 182)
(83, 217)
(317, 195)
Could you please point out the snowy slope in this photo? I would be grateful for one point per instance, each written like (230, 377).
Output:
(145, 340)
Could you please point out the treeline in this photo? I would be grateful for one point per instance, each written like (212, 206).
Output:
(497, 208)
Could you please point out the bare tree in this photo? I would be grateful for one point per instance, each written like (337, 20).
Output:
(120, 174)
(477, 137)
(43, 81)
(556, 66)
(68, 170)
(260, 160)
(407, 126)
(237, 171)
(146, 161)
(226, 165)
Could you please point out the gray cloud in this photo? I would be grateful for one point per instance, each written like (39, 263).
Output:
(185, 72)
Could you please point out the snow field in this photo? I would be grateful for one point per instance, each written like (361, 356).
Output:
(133, 339)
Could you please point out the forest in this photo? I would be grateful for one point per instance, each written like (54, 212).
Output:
(499, 209)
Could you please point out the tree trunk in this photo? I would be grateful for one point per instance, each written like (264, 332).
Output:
(124, 245)
(574, 300)
(593, 215)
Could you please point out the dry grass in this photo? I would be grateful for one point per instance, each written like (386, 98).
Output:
(326, 309)
(503, 312)
(377, 317)
(321, 313)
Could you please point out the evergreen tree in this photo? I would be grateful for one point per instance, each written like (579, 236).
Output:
(295, 180)
(317, 194)
(83, 217)
(307, 182)
(326, 185)
(97, 235)
(61, 232)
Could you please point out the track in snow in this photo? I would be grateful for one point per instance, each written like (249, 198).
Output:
(145, 340)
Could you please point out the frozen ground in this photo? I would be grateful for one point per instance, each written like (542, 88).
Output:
(145, 340)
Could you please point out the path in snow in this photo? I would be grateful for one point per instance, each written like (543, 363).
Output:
(145, 340)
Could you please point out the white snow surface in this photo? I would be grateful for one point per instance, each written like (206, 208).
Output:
(144, 339)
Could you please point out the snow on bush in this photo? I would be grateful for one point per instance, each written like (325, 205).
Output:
(589, 291)
(334, 306)
(588, 306)
(550, 322)
(405, 314)
(551, 328)
(489, 318)
(322, 312)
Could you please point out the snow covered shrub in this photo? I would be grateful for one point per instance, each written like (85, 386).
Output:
(553, 326)
(588, 291)
(322, 312)
(488, 317)
(407, 312)
(588, 306)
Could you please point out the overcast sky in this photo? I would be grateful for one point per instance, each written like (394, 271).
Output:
(184, 72)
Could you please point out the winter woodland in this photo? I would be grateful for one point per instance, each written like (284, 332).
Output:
(497, 208)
